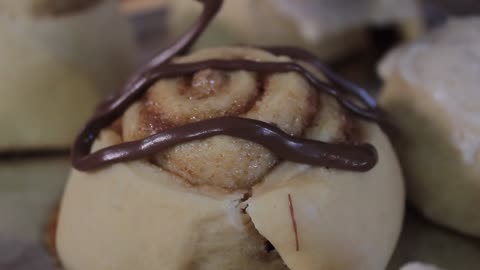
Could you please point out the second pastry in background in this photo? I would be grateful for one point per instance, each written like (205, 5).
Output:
(58, 59)
(332, 29)
(432, 93)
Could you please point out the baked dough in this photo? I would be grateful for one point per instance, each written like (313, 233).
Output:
(55, 68)
(321, 26)
(165, 213)
(431, 91)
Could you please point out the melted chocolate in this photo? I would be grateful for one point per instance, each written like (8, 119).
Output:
(354, 157)
(341, 156)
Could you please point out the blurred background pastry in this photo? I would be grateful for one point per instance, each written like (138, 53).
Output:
(431, 91)
(423, 241)
(58, 59)
(29, 191)
(332, 29)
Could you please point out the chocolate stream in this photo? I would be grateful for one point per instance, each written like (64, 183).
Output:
(360, 157)
(340, 156)
(306, 56)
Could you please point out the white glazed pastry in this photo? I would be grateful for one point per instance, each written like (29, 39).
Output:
(431, 91)
(241, 162)
(58, 59)
(321, 26)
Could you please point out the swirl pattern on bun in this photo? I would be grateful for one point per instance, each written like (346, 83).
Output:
(206, 82)
(285, 100)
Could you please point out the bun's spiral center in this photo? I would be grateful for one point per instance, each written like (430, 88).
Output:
(283, 99)
(278, 116)
(207, 83)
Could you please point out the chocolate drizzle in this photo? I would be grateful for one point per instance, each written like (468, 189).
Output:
(341, 156)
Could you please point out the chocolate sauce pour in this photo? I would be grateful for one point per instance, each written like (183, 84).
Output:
(355, 157)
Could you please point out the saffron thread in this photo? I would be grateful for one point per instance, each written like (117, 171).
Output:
(294, 222)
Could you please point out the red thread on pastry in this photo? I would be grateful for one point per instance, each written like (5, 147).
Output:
(294, 222)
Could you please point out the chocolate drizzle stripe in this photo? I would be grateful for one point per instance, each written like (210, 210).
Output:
(360, 157)
(343, 84)
(175, 70)
(182, 45)
(341, 156)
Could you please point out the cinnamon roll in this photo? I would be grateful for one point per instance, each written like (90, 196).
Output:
(55, 68)
(431, 90)
(232, 157)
